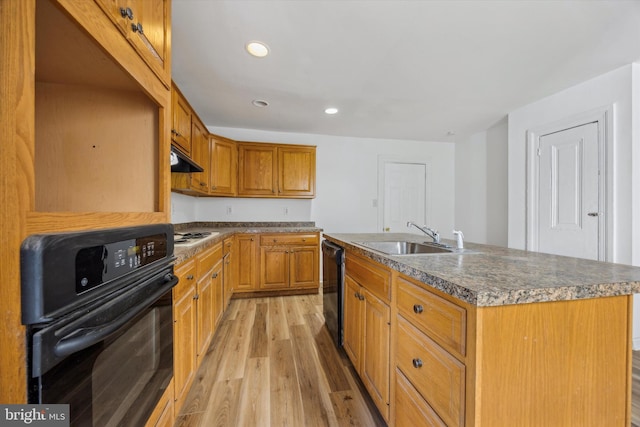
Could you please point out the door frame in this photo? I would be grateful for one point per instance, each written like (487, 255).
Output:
(382, 161)
(603, 117)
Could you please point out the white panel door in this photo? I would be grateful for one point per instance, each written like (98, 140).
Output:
(569, 192)
(404, 195)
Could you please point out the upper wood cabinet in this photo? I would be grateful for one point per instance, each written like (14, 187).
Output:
(224, 166)
(200, 154)
(275, 170)
(257, 170)
(146, 25)
(181, 121)
(296, 171)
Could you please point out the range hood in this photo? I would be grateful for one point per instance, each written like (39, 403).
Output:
(182, 163)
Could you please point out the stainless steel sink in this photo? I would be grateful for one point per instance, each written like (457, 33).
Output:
(406, 248)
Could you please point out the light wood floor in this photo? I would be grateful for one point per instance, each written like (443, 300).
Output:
(273, 363)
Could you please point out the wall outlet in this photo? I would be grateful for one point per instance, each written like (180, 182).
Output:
(229, 210)
(286, 211)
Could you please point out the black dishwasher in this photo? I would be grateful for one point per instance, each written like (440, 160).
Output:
(333, 289)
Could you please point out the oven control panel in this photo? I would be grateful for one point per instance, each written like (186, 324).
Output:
(99, 264)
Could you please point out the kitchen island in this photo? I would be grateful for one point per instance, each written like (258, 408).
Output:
(490, 336)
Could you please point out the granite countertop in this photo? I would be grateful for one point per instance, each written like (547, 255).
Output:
(227, 229)
(485, 275)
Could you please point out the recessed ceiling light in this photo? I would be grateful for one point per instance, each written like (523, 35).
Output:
(257, 49)
(259, 103)
(331, 110)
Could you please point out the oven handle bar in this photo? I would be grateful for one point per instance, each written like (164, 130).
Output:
(73, 343)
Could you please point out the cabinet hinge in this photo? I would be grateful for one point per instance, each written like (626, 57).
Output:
(538, 152)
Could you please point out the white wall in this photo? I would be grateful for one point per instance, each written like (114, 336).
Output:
(481, 186)
(613, 88)
(346, 184)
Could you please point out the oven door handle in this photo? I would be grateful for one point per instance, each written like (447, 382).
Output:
(86, 337)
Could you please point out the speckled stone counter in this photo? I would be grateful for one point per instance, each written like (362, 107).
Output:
(486, 275)
(228, 229)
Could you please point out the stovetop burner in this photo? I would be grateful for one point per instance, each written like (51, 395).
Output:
(191, 237)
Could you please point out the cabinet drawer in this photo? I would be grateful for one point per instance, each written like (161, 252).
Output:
(410, 406)
(289, 239)
(442, 320)
(208, 258)
(438, 376)
(186, 273)
(372, 276)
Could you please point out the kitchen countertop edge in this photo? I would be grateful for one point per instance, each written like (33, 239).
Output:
(479, 295)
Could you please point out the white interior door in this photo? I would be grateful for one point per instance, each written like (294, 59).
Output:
(404, 195)
(569, 207)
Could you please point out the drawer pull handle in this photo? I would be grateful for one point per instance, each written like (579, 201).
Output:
(417, 363)
(417, 308)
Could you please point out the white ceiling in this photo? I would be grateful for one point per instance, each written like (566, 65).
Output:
(395, 69)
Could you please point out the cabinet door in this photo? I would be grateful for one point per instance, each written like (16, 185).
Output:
(375, 352)
(181, 122)
(152, 17)
(352, 321)
(257, 170)
(297, 171)
(200, 155)
(304, 268)
(151, 35)
(228, 273)
(274, 267)
(218, 293)
(184, 331)
(205, 313)
(247, 256)
(224, 167)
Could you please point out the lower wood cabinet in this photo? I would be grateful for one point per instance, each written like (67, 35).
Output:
(184, 330)
(208, 296)
(197, 308)
(247, 261)
(289, 261)
(367, 327)
(229, 270)
(276, 262)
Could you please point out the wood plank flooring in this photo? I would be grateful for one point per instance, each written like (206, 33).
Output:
(273, 363)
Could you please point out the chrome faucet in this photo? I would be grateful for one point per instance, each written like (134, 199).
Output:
(426, 230)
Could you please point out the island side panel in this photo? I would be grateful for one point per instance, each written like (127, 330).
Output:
(554, 364)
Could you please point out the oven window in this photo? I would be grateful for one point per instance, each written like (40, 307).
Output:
(117, 381)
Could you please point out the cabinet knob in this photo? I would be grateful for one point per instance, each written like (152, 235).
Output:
(417, 363)
(196, 296)
(126, 13)
(190, 277)
(137, 28)
(252, 239)
(203, 184)
(274, 240)
(213, 187)
(417, 308)
(214, 276)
